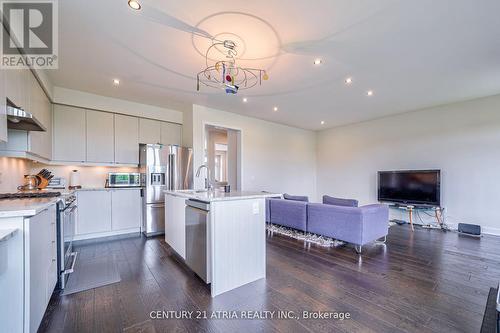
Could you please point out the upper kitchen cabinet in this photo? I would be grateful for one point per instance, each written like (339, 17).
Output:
(171, 134)
(126, 139)
(69, 134)
(40, 143)
(14, 89)
(149, 131)
(100, 137)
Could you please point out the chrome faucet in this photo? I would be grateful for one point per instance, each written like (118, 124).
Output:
(208, 182)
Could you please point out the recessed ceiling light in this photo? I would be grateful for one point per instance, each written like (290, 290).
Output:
(348, 80)
(275, 108)
(369, 93)
(245, 100)
(318, 61)
(322, 122)
(134, 4)
(116, 82)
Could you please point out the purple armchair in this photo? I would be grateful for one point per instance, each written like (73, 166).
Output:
(356, 225)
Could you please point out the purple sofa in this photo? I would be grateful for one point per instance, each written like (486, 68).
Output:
(341, 219)
(289, 213)
(356, 225)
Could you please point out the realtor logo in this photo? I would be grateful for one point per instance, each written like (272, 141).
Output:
(29, 37)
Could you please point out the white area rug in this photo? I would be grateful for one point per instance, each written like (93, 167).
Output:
(305, 236)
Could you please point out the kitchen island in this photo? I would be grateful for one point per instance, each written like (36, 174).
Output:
(221, 236)
(28, 267)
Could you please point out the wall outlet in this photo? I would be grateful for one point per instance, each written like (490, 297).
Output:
(255, 208)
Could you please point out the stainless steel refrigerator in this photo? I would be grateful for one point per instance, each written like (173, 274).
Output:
(162, 167)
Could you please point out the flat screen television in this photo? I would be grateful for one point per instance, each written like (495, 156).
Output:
(411, 187)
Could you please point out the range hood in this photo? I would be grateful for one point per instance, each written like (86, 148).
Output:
(19, 119)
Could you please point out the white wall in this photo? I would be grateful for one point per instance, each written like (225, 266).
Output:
(12, 171)
(274, 157)
(462, 139)
(98, 102)
(187, 128)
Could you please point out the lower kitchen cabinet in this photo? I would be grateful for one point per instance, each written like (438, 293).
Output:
(94, 212)
(40, 266)
(107, 212)
(12, 277)
(28, 270)
(125, 209)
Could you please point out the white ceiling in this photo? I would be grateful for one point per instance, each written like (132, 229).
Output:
(413, 54)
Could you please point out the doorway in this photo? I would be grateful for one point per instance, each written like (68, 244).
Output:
(222, 155)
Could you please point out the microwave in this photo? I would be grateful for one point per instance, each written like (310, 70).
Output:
(124, 179)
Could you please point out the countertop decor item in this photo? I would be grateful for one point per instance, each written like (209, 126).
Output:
(44, 177)
(31, 182)
(74, 180)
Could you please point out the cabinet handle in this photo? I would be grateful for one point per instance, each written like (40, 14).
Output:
(53, 260)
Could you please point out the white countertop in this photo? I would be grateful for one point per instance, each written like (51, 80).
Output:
(220, 195)
(25, 207)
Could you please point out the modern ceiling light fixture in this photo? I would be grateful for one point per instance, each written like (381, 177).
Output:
(322, 122)
(135, 5)
(245, 100)
(222, 72)
(275, 109)
(318, 61)
(369, 93)
(116, 82)
(348, 80)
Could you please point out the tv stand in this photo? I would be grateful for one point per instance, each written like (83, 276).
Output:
(438, 213)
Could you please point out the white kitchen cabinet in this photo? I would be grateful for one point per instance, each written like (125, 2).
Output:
(14, 88)
(28, 270)
(94, 212)
(40, 143)
(171, 134)
(175, 223)
(100, 137)
(126, 139)
(12, 277)
(41, 268)
(126, 209)
(69, 134)
(149, 131)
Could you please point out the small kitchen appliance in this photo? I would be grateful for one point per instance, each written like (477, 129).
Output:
(124, 179)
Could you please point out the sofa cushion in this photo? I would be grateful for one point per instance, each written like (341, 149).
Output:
(328, 200)
(295, 197)
(289, 213)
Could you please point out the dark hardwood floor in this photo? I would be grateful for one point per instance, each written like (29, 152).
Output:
(425, 281)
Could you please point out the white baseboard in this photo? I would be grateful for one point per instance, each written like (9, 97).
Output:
(107, 234)
(490, 231)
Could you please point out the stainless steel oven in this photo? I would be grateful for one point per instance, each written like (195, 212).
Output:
(66, 225)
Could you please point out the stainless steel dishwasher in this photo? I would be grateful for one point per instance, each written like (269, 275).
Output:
(197, 214)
